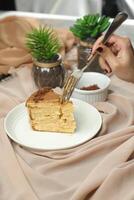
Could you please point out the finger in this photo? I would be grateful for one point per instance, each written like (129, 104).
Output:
(97, 43)
(120, 45)
(120, 42)
(104, 65)
(115, 41)
(108, 56)
(114, 49)
(110, 42)
(114, 38)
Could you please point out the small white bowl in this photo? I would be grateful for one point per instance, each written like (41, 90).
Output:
(92, 96)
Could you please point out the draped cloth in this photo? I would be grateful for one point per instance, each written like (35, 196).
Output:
(13, 50)
(102, 168)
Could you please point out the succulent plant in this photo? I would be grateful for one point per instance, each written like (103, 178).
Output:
(43, 43)
(90, 26)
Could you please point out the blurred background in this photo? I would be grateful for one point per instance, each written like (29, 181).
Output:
(70, 7)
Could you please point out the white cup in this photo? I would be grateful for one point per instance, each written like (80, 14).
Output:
(92, 96)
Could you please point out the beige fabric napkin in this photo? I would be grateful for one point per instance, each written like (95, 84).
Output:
(102, 168)
(12, 42)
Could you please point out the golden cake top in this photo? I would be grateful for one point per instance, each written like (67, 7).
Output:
(43, 95)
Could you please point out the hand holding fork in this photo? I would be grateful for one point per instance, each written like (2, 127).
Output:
(76, 74)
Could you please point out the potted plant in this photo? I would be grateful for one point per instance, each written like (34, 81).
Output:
(87, 29)
(44, 46)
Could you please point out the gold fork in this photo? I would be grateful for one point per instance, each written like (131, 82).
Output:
(72, 80)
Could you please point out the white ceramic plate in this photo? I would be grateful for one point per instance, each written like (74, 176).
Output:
(18, 128)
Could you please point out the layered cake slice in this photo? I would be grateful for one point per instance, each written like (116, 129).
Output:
(48, 114)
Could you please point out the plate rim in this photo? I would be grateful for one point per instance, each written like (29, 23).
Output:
(48, 149)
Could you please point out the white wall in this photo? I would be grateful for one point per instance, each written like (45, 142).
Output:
(62, 7)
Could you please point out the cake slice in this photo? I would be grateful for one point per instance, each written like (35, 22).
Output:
(48, 114)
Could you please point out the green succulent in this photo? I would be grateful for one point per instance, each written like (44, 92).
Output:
(43, 43)
(90, 26)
